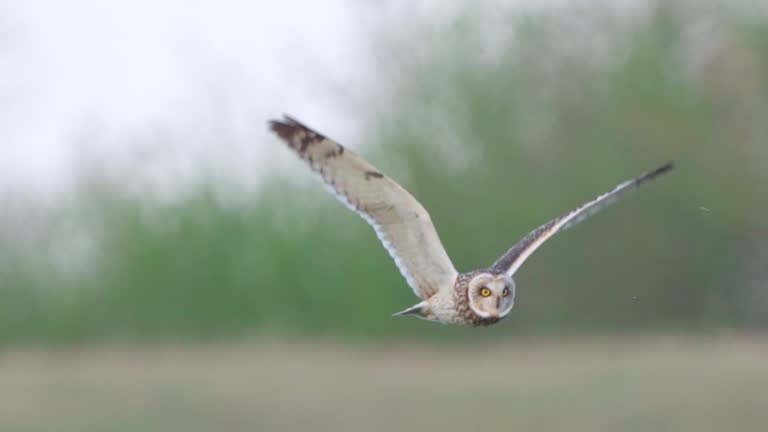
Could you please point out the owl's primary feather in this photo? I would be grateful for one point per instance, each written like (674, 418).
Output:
(401, 223)
(514, 258)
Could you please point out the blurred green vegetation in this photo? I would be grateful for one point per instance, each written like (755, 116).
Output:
(496, 129)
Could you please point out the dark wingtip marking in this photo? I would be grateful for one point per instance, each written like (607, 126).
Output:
(284, 130)
(375, 174)
(288, 127)
(669, 166)
(663, 169)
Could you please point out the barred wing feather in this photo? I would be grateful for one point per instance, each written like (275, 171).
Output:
(401, 223)
(516, 256)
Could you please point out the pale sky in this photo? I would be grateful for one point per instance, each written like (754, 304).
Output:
(116, 76)
(116, 69)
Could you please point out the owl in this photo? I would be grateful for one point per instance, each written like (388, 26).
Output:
(477, 298)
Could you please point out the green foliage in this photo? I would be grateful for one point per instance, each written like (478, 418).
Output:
(674, 254)
(494, 141)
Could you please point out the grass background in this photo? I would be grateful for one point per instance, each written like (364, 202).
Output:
(630, 384)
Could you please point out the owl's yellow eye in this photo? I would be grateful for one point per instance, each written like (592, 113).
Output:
(505, 292)
(485, 292)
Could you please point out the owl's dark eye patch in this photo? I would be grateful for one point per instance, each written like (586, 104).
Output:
(505, 292)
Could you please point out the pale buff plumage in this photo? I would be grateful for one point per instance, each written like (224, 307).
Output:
(405, 229)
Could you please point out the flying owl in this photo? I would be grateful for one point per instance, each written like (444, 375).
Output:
(477, 298)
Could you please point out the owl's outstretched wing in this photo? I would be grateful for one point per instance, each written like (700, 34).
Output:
(401, 223)
(514, 258)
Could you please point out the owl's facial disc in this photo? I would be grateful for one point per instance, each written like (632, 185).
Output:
(491, 296)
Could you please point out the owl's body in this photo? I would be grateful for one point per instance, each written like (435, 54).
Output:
(477, 298)
(452, 305)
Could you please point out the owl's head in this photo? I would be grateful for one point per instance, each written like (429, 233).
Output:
(491, 296)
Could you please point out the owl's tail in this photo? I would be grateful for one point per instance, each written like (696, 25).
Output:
(419, 310)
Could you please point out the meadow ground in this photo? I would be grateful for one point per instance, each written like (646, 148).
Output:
(597, 384)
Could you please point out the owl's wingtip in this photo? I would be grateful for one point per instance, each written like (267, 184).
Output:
(288, 127)
(669, 166)
(661, 169)
(283, 130)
